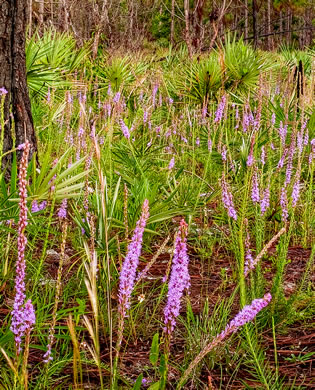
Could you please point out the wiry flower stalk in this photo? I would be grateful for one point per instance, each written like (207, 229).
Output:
(265, 200)
(23, 316)
(248, 256)
(127, 279)
(47, 356)
(228, 199)
(220, 110)
(179, 280)
(284, 203)
(255, 188)
(264, 251)
(247, 314)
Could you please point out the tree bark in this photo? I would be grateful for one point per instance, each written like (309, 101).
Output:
(172, 22)
(41, 13)
(255, 24)
(187, 27)
(99, 27)
(246, 19)
(14, 15)
(269, 24)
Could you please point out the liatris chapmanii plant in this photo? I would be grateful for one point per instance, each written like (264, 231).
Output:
(247, 314)
(284, 204)
(48, 355)
(179, 280)
(227, 199)
(255, 188)
(251, 266)
(220, 110)
(23, 315)
(265, 200)
(128, 273)
(127, 279)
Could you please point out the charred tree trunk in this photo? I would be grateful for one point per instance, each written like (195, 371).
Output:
(14, 15)
(255, 24)
(269, 39)
(246, 19)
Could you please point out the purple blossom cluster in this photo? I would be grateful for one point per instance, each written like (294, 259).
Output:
(220, 110)
(296, 191)
(179, 279)
(171, 164)
(283, 129)
(255, 188)
(128, 272)
(265, 200)
(36, 207)
(23, 315)
(3, 91)
(228, 199)
(124, 129)
(62, 212)
(247, 314)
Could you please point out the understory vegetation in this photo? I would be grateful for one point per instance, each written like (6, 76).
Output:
(168, 194)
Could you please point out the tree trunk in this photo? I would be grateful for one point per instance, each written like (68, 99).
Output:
(255, 24)
(13, 19)
(198, 26)
(30, 19)
(41, 13)
(187, 27)
(269, 39)
(172, 22)
(99, 27)
(246, 19)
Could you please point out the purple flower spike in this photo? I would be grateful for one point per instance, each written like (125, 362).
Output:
(265, 201)
(128, 272)
(247, 314)
(296, 192)
(171, 164)
(3, 91)
(220, 111)
(179, 279)
(227, 200)
(255, 188)
(62, 213)
(124, 129)
(23, 316)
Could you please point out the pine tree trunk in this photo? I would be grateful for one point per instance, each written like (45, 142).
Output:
(187, 27)
(255, 24)
(172, 22)
(246, 19)
(14, 15)
(269, 25)
(41, 13)
(99, 27)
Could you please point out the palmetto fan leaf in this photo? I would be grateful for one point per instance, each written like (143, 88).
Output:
(292, 58)
(243, 65)
(119, 73)
(49, 59)
(199, 82)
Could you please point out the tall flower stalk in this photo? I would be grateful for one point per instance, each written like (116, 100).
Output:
(247, 314)
(127, 279)
(23, 315)
(179, 282)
